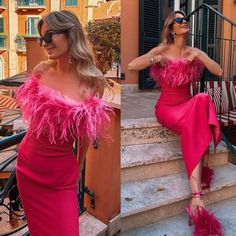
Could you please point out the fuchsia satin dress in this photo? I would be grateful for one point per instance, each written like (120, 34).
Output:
(47, 168)
(194, 118)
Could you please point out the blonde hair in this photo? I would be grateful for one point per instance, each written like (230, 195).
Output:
(167, 36)
(68, 22)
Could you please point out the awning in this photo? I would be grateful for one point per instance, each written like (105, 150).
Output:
(7, 102)
(15, 80)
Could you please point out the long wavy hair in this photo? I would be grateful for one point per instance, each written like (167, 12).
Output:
(78, 47)
(167, 35)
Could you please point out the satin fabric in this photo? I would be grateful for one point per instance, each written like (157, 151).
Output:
(193, 118)
(47, 168)
(47, 177)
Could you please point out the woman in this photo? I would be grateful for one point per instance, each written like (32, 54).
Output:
(174, 66)
(61, 101)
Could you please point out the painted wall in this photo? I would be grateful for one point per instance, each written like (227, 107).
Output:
(228, 10)
(107, 9)
(80, 10)
(4, 53)
(129, 38)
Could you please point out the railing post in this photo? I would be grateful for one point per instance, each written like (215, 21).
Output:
(204, 39)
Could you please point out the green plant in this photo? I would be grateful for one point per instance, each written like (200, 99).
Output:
(104, 35)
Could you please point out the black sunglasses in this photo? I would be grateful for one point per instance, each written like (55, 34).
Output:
(180, 20)
(47, 38)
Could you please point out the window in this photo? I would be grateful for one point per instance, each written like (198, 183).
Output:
(71, 2)
(31, 28)
(1, 68)
(1, 25)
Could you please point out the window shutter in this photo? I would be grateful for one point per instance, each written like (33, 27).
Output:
(150, 26)
(213, 29)
(1, 25)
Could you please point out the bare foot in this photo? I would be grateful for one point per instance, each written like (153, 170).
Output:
(197, 203)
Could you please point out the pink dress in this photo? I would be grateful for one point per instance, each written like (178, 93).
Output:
(47, 168)
(194, 118)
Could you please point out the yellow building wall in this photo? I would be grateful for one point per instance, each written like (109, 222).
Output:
(22, 19)
(129, 39)
(80, 10)
(107, 9)
(4, 53)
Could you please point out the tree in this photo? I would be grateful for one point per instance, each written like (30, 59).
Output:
(104, 35)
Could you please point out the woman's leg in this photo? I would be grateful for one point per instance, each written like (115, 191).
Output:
(207, 175)
(195, 184)
(205, 222)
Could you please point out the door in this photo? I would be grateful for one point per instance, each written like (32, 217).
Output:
(150, 26)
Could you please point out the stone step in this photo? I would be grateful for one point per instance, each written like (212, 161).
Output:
(153, 160)
(89, 226)
(144, 130)
(177, 226)
(151, 200)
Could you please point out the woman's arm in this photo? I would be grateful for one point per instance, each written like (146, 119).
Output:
(83, 146)
(211, 65)
(146, 60)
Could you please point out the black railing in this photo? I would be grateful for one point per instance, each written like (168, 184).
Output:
(9, 189)
(215, 34)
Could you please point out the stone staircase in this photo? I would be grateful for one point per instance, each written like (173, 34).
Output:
(89, 226)
(155, 189)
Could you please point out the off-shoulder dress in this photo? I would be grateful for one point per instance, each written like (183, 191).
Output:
(47, 168)
(193, 118)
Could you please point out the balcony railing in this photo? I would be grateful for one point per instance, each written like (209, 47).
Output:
(21, 45)
(30, 5)
(2, 42)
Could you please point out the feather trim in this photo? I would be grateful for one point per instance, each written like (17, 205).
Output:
(207, 177)
(177, 72)
(206, 223)
(49, 112)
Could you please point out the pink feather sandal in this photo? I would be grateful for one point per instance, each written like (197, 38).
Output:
(204, 221)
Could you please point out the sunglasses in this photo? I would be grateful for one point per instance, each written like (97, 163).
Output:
(180, 20)
(47, 38)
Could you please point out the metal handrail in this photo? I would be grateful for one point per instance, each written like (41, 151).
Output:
(11, 140)
(222, 50)
(216, 12)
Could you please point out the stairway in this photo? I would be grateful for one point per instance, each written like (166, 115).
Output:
(154, 183)
(89, 226)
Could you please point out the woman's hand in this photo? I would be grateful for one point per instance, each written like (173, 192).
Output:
(162, 60)
(83, 146)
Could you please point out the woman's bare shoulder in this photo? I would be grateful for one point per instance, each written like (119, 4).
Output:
(42, 68)
(193, 49)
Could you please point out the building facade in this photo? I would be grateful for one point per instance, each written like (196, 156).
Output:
(19, 18)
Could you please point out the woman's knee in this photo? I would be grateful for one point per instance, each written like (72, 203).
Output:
(202, 96)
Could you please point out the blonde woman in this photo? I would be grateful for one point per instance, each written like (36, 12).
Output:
(174, 66)
(61, 101)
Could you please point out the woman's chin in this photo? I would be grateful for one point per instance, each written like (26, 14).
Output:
(52, 57)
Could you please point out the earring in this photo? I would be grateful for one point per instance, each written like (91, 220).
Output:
(70, 59)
